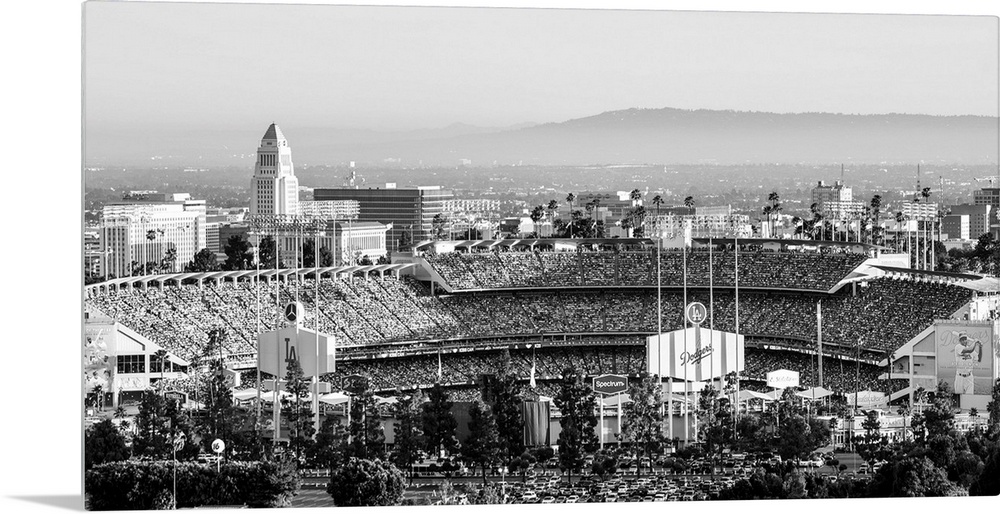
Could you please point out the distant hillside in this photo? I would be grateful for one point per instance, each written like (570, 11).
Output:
(668, 136)
(724, 137)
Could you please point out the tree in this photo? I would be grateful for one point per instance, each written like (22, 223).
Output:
(104, 442)
(657, 202)
(438, 422)
(483, 444)
(167, 265)
(689, 202)
(204, 260)
(438, 224)
(367, 436)
(297, 411)
(872, 446)
(406, 238)
(239, 255)
(773, 210)
(577, 403)
(146, 485)
(158, 423)
(408, 431)
(266, 252)
(223, 420)
(536, 215)
(635, 195)
(637, 216)
(642, 425)
(570, 198)
(913, 476)
(993, 408)
(330, 448)
(504, 394)
(715, 422)
(366, 483)
(876, 213)
(552, 208)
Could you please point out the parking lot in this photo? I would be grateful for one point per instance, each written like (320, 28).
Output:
(698, 481)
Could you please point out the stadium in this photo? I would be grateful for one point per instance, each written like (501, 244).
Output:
(451, 311)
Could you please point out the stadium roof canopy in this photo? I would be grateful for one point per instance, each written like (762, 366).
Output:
(983, 285)
(643, 241)
(200, 277)
(944, 275)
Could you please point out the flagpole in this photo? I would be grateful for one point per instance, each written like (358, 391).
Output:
(736, 267)
(315, 402)
(687, 398)
(276, 411)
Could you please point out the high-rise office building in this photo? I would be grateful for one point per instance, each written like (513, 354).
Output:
(151, 228)
(274, 187)
(979, 217)
(836, 201)
(990, 196)
(410, 211)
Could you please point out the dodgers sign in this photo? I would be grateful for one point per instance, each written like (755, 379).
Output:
(610, 384)
(696, 313)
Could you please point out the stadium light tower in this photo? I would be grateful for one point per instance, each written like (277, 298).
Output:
(278, 225)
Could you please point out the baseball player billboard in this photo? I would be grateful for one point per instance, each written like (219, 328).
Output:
(965, 357)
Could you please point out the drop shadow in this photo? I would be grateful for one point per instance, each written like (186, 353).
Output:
(64, 501)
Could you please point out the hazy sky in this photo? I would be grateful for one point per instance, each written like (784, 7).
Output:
(234, 66)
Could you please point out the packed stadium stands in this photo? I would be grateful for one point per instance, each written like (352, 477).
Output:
(589, 309)
(882, 315)
(757, 269)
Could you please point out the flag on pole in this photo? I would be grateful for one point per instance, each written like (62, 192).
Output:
(439, 365)
(531, 382)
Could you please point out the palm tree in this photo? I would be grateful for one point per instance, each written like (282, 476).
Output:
(635, 196)
(536, 215)
(552, 208)
(161, 357)
(569, 199)
(775, 209)
(925, 193)
(638, 216)
(657, 202)
(876, 208)
(899, 221)
(689, 202)
(767, 211)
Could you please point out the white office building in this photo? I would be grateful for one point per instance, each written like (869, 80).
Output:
(162, 231)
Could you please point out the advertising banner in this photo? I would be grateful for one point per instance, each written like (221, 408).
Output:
(278, 347)
(965, 356)
(783, 378)
(695, 354)
(610, 384)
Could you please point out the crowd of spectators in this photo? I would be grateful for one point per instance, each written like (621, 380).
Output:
(463, 372)
(881, 316)
(493, 269)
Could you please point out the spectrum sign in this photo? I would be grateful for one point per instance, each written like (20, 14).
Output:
(610, 384)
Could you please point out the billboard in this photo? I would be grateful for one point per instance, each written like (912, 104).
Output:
(965, 356)
(782, 378)
(610, 384)
(277, 347)
(695, 354)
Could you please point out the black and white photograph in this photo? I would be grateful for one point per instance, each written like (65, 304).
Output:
(416, 255)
